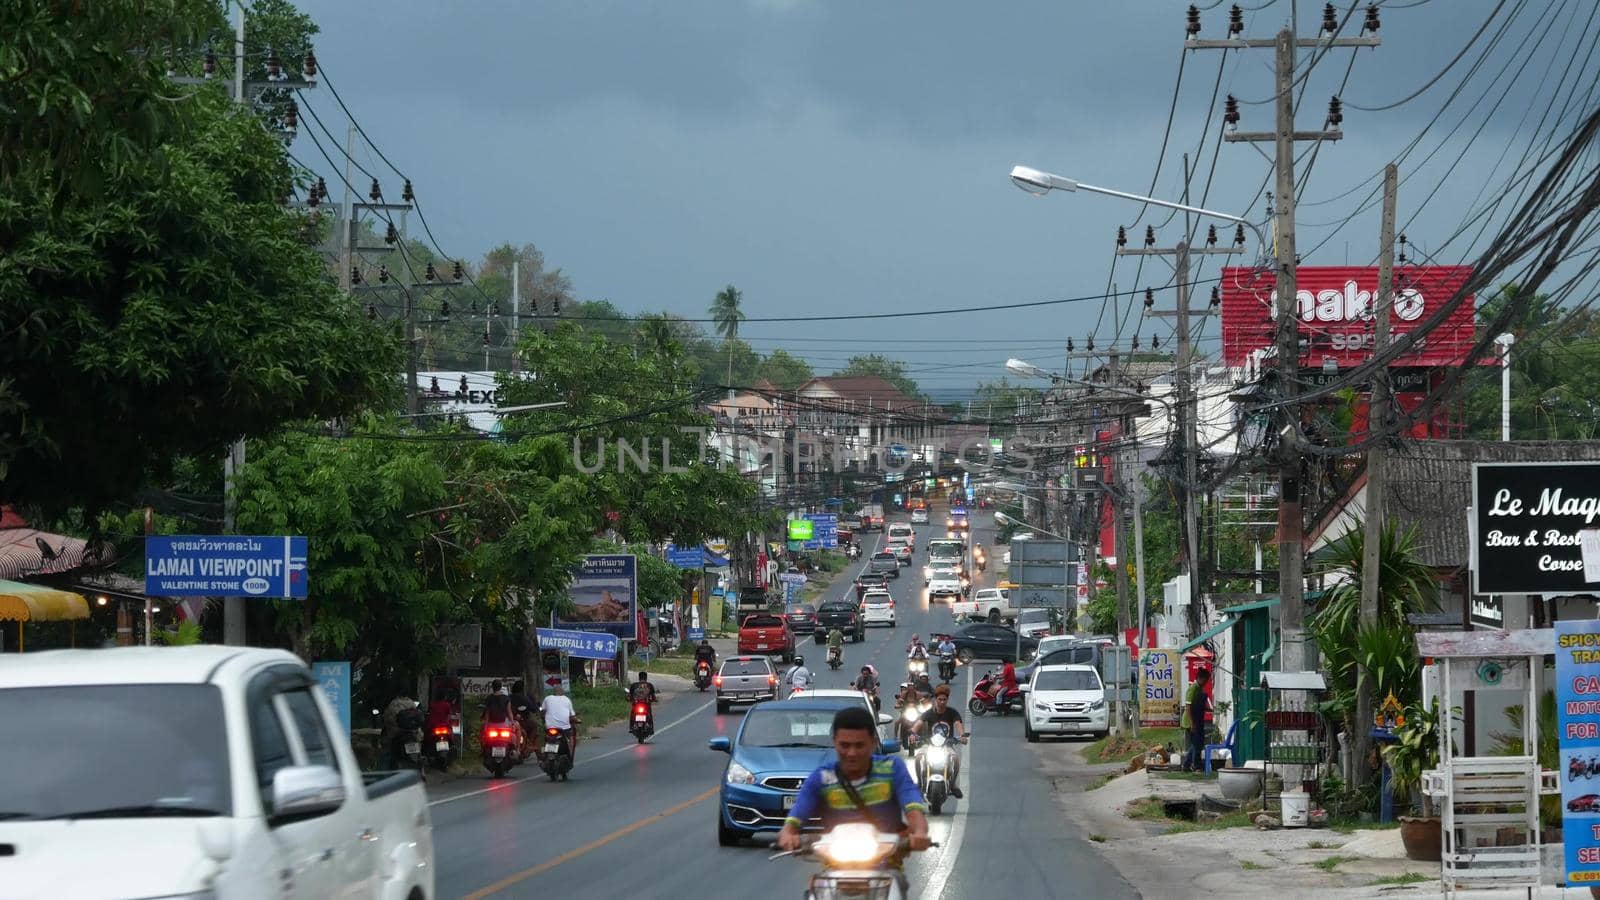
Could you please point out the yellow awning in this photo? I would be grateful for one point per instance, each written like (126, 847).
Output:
(33, 603)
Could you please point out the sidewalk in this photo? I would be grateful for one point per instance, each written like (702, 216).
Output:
(1161, 858)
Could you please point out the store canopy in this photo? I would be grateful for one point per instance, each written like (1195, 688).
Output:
(33, 603)
(1232, 614)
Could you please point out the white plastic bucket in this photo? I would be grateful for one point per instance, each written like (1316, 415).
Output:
(1296, 809)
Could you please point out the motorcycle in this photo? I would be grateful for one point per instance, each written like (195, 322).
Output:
(408, 738)
(702, 675)
(909, 714)
(933, 768)
(982, 701)
(641, 727)
(835, 657)
(858, 861)
(502, 746)
(1578, 768)
(556, 760)
(947, 667)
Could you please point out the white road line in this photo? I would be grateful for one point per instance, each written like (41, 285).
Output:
(500, 786)
(950, 847)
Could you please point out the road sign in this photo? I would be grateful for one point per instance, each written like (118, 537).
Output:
(208, 565)
(696, 633)
(464, 643)
(1039, 573)
(334, 679)
(1042, 552)
(582, 644)
(1027, 596)
(825, 531)
(686, 557)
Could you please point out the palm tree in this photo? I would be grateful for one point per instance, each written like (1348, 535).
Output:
(726, 313)
(656, 330)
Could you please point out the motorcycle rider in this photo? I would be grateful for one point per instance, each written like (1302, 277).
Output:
(867, 683)
(947, 647)
(924, 687)
(557, 712)
(915, 649)
(835, 641)
(522, 707)
(1006, 688)
(642, 691)
(943, 712)
(705, 652)
(798, 677)
(860, 785)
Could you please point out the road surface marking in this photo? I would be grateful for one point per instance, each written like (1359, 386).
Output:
(504, 785)
(951, 846)
(571, 855)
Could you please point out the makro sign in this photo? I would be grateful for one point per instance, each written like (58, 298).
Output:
(1528, 521)
(1334, 306)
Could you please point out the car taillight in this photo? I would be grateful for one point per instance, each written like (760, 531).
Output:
(716, 680)
(772, 680)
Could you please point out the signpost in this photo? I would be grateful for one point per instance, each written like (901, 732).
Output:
(801, 529)
(208, 565)
(582, 644)
(825, 531)
(792, 582)
(1578, 734)
(464, 643)
(1158, 688)
(686, 557)
(1028, 596)
(1529, 522)
(334, 679)
(1039, 573)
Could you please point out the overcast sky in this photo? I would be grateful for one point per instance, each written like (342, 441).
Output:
(834, 157)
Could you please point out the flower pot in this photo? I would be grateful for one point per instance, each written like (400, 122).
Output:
(1239, 784)
(1423, 837)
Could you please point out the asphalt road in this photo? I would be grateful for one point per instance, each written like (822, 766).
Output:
(638, 819)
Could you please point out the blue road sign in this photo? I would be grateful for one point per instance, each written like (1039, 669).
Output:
(696, 634)
(210, 565)
(824, 531)
(334, 678)
(686, 557)
(582, 644)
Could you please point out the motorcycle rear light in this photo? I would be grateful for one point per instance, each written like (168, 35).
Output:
(639, 709)
(441, 730)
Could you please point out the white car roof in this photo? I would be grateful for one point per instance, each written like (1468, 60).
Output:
(875, 593)
(196, 664)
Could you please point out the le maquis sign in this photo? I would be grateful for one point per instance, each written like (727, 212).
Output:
(1528, 520)
(1334, 305)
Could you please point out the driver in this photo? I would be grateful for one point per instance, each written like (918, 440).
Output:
(915, 650)
(799, 676)
(706, 652)
(861, 786)
(943, 713)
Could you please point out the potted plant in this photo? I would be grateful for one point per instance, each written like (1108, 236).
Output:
(1416, 751)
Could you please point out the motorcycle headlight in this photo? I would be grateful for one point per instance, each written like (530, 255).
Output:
(911, 714)
(852, 844)
(738, 774)
(937, 757)
(937, 740)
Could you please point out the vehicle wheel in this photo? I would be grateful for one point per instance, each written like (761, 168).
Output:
(964, 656)
(553, 775)
(891, 623)
(722, 708)
(994, 617)
(640, 736)
(727, 837)
(935, 806)
(1029, 733)
(975, 706)
(1101, 735)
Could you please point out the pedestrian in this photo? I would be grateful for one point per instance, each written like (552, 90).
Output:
(1196, 704)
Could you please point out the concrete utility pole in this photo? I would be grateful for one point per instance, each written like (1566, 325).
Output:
(1291, 558)
(1377, 425)
(233, 608)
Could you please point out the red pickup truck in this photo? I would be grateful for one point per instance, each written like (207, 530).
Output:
(765, 634)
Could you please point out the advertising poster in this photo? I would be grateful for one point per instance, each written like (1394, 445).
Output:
(1578, 735)
(605, 596)
(1529, 522)
(334, 679)
(1158, 688)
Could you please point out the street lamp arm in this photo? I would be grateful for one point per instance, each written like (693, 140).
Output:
(1038, 183)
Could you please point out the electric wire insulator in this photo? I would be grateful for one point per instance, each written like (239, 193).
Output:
(308, 66)
(375, 193)
(1193, 26)
(457, 272)
(444, 309)
(390, 235)
(486, 338)
(1235, 21)
(1155, 342)
(383, 274)
(1211, 235)
(1149, 236)
(1122, 236)
(1330, 19)
(429, 274)
(1371, 23)
(1091, 343)
(1149, 299)
(291, 117)
(208, 68)
(1238, 235)
(1216, 296)
(1136, 342)
(1335, 112)
(372, 311)
(1230, 110)
(355, 275)
(312, 200)
(406, 194)
(1069, 345)
(322, 187)
(274, 65)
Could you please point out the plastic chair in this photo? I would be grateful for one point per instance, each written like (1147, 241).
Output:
(1227, 744)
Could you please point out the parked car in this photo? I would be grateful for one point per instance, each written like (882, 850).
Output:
(802, 617)
(201, 771)
(1066, 699)
(983, 640)
(745, 679)
(766, 634)
(868, 580)
(844, 615)
(885, 562)
(776, 748)
(877, 608)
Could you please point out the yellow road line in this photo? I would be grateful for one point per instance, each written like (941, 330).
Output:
(573, 854)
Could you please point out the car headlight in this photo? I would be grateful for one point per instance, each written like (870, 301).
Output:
(1098, 704)
(738, 774)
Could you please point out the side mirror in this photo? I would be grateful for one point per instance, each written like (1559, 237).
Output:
(890, 748)
(300, 792)
(720, 744)
(885, 719)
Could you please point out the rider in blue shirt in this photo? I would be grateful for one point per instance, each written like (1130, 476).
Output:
(861, 786)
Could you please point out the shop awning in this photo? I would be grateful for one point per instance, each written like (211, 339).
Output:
(34, 603)
(1231, 617)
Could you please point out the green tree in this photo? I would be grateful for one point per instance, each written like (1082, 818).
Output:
(152, 277)
(727, 314)
(1555, 363)
(786, 371)
(890, 370)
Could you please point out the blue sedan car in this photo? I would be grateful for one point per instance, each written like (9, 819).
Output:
(777, 746)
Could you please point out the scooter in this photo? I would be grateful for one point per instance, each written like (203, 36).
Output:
(641, 727)
(702, 675)
(835, 657)
(556, 756)
(858, 861)
(933, 768)
(502, 743)
(909, 714)
(1577, 767)
(410, 723)
(982, 701)
(947, 667)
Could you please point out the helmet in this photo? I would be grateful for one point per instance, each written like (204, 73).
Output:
(799, 661)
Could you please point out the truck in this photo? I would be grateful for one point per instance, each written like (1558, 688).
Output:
(872, 517)
(200, 771)
(987, 604)
(765, 634)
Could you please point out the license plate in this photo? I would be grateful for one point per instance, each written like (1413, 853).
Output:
(497, 752)
(552, 748)
(442, 745)
(761, 646)
(747, 695)
(788, 801)
(638, 718)
(413, 749)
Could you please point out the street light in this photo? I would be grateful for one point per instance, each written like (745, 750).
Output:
(1039, 183)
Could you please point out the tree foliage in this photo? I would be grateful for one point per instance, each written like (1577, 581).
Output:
(890, 370)
(1555, 364)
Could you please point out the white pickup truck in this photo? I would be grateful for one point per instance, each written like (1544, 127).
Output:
(195, 772)
(987, 604)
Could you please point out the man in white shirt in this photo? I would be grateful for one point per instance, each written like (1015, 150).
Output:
(557, 712)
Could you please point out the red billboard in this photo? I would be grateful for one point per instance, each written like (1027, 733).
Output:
(1334, 304)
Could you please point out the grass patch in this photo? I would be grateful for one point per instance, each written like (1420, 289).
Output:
(671, 664)
(1350, 826)
(1102, 781)
(1333, 862)
(1181, 776)
(1098, 838)
(1249, 866)
(1407, 878)
(1148, 808)
(598, 705)
(1320, 845)
(1124, 747)
(1232, 820)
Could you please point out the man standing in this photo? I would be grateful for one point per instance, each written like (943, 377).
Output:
(1196, 704)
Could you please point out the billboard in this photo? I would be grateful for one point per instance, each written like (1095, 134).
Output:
(1334, 304)
(1158, 688)
(1578, 736)
(1529, 522)
(605, 596)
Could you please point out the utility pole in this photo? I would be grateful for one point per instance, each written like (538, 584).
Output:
(1377, 428)
(1291, 558)
(1186, 408)
(516, 313)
